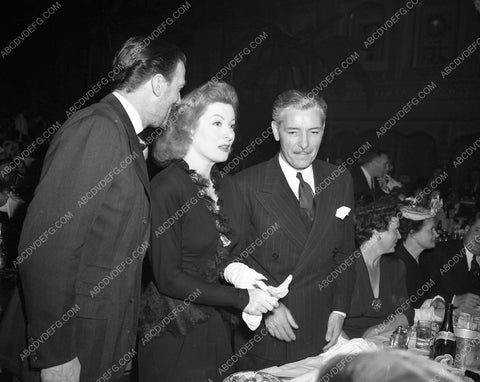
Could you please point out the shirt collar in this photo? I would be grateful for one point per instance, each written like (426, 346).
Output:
(131, 112)
(11, 205)
(367, 175)
(469, 255)
(291, 175)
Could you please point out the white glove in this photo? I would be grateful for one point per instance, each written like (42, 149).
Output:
(242, 276)
(253, 322)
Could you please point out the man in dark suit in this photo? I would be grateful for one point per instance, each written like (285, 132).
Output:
(88, 226)
(372, 165)
(454, 266)
(291, 191)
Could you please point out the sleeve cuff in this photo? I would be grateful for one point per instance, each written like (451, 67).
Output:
(340, 313)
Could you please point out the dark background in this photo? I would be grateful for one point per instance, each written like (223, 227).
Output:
(60, 61)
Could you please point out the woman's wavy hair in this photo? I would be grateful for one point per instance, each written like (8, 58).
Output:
(183, 119)
(374, 216)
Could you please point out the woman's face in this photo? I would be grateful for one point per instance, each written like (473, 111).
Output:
(388, 239)
(214, 135)
(427, 234)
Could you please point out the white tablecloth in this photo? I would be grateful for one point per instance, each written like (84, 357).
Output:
(310, 369)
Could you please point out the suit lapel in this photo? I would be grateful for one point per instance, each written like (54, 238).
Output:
(135, 148)
(280, 202)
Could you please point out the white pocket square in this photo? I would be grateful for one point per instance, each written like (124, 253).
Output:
(342, 212)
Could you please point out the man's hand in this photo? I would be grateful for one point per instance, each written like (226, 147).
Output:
(68, 372)
(280, 324)
(334, 328)
(466, 301)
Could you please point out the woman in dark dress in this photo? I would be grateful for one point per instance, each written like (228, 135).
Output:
(185, 333)
(417, 227)
(380, 279)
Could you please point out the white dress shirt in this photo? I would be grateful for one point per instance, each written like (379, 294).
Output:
(134, 117)
(369, 178)
(469, 255)
(290, 174)
(11, 205)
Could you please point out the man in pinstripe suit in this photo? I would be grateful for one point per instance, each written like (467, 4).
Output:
(301, 195)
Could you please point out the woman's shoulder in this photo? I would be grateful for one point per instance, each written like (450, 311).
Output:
(171, 178)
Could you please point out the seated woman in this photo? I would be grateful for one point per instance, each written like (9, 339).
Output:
(380, 287)
(186, 336)
(418, 230)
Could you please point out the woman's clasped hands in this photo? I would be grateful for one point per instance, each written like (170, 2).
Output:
(262, 298)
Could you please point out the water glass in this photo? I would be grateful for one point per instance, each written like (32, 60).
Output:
(424, 335)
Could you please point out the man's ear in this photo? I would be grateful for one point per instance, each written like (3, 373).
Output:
(275, 128)
(158, 83)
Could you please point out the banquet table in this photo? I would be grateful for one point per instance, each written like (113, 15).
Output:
(311, 369)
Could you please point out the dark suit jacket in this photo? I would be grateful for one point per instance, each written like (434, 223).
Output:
(265, 200)
(362, 192)
(447, 265)
(94, 182)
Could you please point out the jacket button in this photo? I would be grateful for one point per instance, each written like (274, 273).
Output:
(275, 255)
(132, 300)
(144, 221)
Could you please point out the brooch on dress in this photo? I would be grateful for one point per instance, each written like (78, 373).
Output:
(376, 304)
(225, 241)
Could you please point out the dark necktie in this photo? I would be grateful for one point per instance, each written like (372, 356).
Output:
(305, 197)
(474, 275)
(141, 139)
(143, 145)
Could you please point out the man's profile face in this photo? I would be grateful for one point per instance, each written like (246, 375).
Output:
(300, 133)
(381, 165)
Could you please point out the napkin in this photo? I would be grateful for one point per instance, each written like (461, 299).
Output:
(427, 311)
(311, 369)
